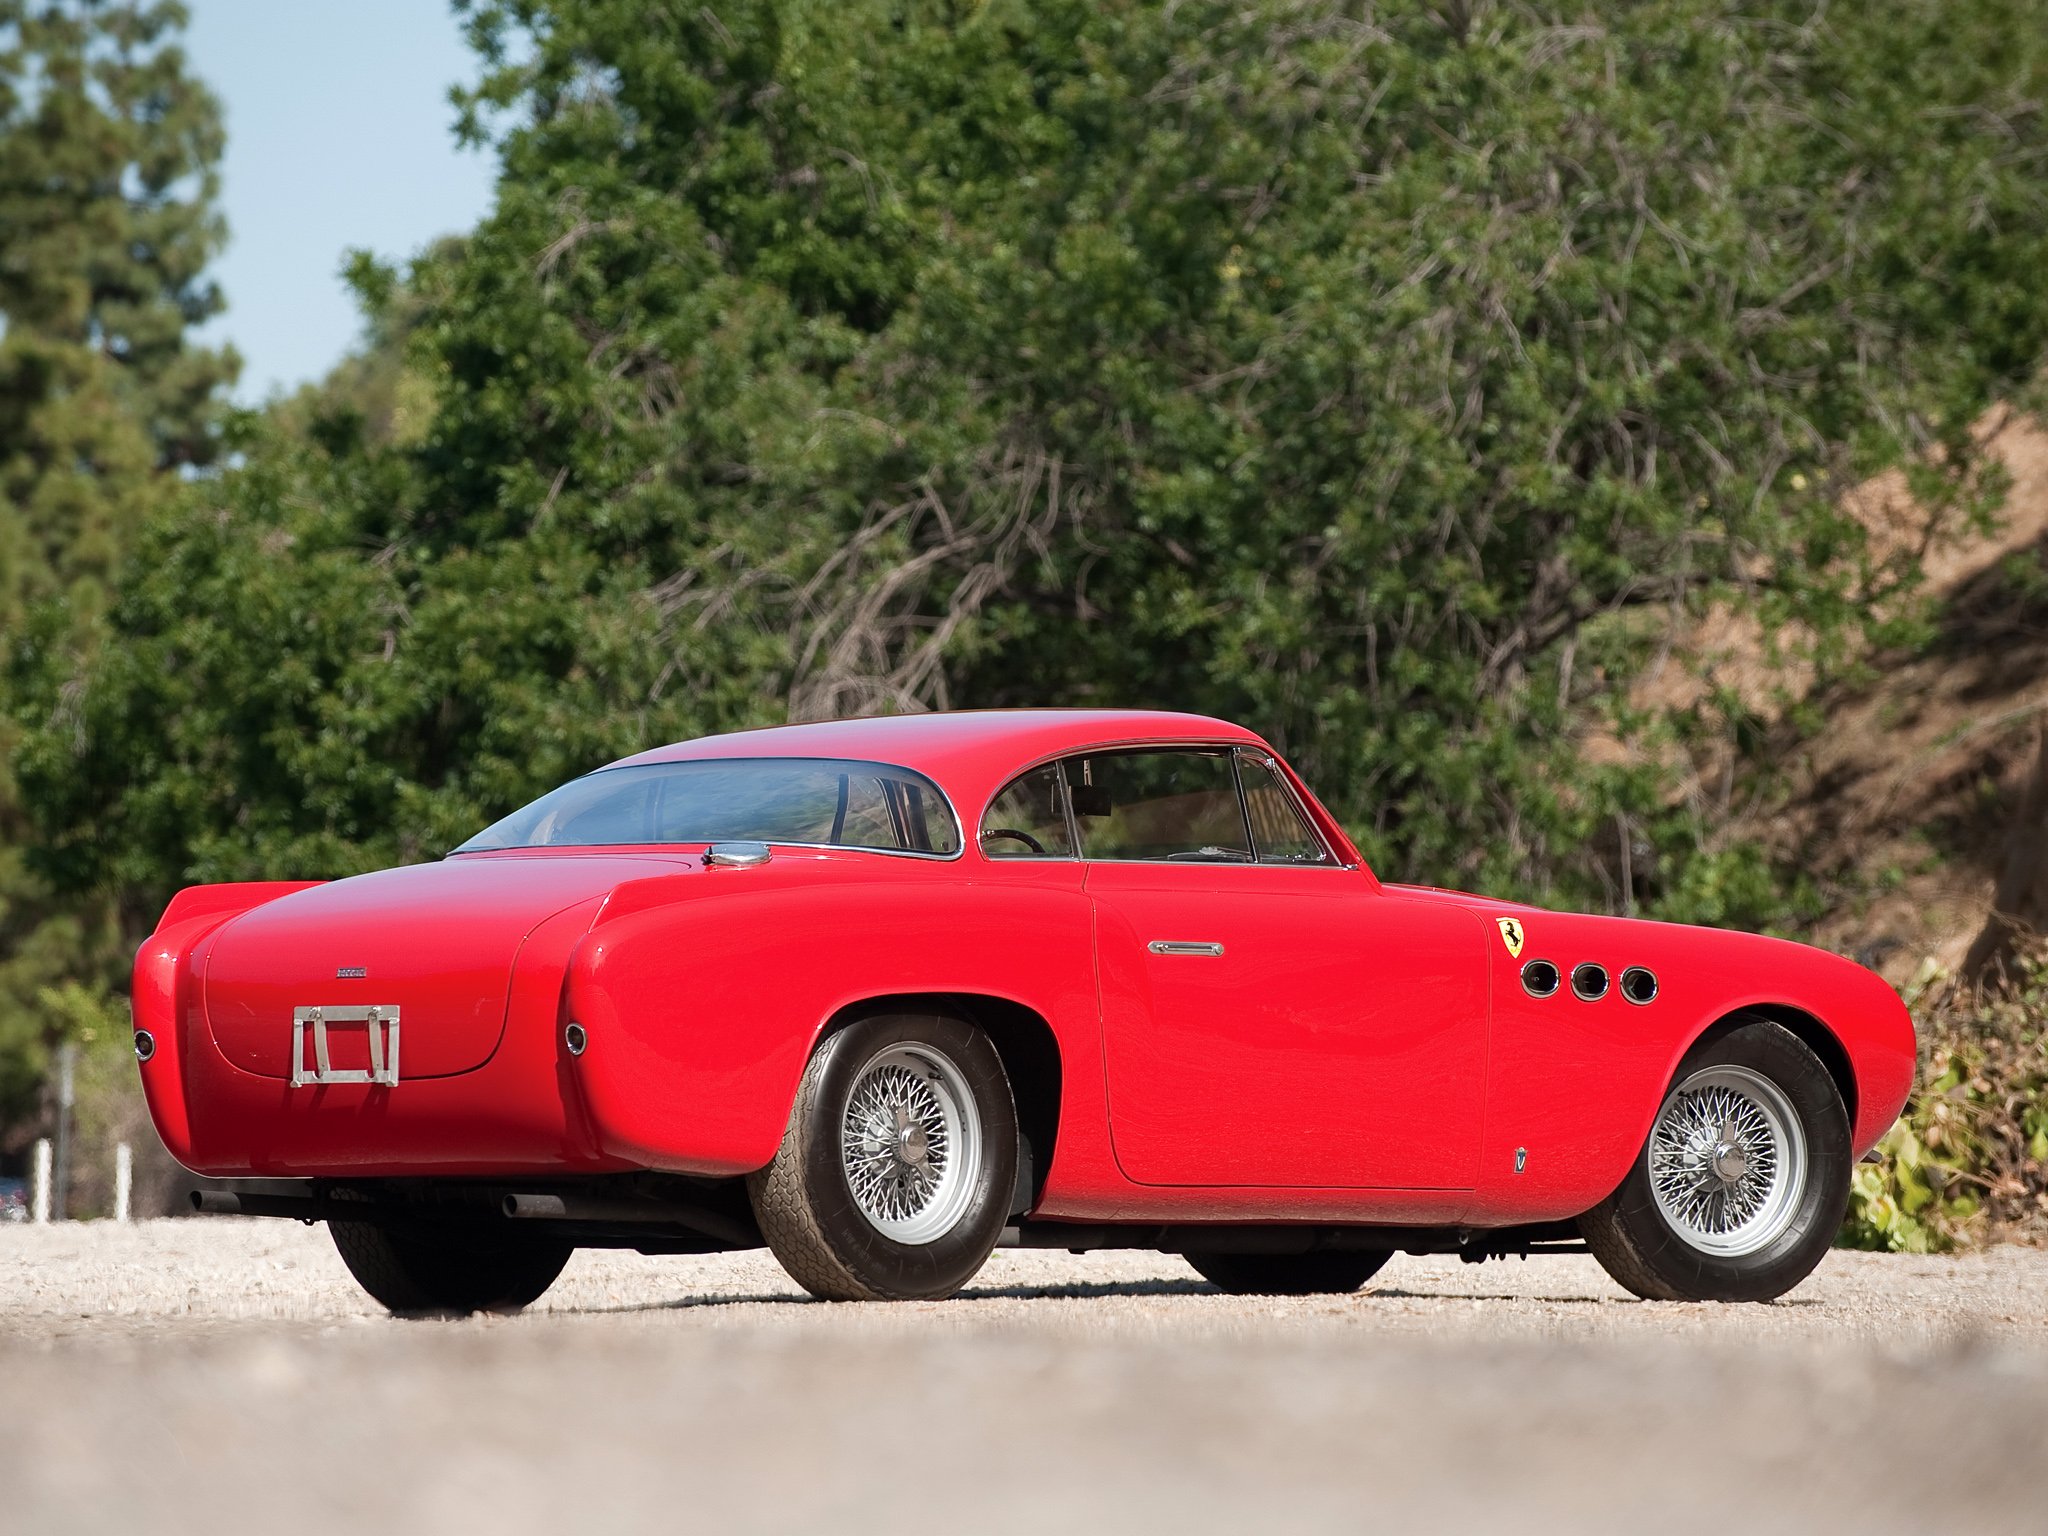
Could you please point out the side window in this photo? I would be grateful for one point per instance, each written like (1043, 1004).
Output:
(1279, 832)
(1159, 805)
(1028, 820)
(927, 826)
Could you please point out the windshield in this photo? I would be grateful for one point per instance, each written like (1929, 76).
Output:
(821, 801)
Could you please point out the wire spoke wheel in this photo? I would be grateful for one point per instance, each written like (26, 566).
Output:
(910, 1143)
(1727, 1160)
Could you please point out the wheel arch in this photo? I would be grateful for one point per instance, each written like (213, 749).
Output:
(1030, 1051)
(1810, 1030)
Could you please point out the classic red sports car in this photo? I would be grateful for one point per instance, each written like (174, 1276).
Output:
(885, 994)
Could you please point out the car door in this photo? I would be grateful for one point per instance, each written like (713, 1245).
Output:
(1270, 1017)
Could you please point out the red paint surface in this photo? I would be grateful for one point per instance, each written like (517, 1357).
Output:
(1357, 1053)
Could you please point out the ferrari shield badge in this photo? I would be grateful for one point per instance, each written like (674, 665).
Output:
(1511, 935)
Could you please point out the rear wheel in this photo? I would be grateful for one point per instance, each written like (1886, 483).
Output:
(1740, 1188)
(420, 1272)
(894, 1179)
(1287, 1274)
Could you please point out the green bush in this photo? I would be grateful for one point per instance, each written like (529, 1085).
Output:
(1968, 1161)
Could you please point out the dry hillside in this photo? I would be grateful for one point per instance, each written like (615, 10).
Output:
(1921, 805)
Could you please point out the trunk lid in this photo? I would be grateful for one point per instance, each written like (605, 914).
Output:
(435, 941)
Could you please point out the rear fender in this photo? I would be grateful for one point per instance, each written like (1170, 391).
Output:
(700, 1016)
(163, 997)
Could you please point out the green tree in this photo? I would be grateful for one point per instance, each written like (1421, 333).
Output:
(108, 149)
(1396, 378)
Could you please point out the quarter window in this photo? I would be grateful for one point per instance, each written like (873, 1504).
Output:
(1028, 820)
(1278, 830)
(1178, 805)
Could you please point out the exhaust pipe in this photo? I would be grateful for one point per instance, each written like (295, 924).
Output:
(234, 1202)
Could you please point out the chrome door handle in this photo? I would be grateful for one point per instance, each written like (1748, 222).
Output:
(1184, 947)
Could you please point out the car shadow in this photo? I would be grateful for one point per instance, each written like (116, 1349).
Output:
(681, 1304)
(1081, 1290)
(1078, 1291)
(1088, 1290)
(1395, 1293)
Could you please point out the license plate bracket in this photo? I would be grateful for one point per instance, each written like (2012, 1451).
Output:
(379, 1020)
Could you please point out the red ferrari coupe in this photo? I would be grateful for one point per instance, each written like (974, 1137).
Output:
(884, 995)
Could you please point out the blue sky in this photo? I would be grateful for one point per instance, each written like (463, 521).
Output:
(338, 136)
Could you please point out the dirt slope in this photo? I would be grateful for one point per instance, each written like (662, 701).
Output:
(1904, 804)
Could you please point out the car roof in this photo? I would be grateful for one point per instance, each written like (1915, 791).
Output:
(950, 746)
(971, 754)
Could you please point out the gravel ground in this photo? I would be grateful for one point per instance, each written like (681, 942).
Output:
(220, 1376)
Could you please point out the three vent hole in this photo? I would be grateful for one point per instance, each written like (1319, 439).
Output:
(1639, 985)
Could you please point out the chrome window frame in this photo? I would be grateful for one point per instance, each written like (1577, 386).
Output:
(1330, 859)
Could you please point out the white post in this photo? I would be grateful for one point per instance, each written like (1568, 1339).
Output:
(124, 1180)
(40, 1199)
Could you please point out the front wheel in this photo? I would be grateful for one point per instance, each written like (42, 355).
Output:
(1740, 1188)
(424, 1272)
(894, 1178)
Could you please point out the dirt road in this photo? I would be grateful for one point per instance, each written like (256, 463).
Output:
(222, 1376)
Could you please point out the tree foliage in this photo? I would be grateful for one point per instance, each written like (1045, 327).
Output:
(1398, 379)
(107, 154)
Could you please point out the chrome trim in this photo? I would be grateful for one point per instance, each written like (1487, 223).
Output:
(922, 854)
(1594, 967)
(383, 1032)
(1556, 977)
(740, 855)
(1639, 970)
(145, 1045)
(576, 1038)
(670, 850)
(1185, 947)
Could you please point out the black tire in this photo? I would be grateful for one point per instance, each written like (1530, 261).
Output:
(1288, 1274)
(1652, 1255)
(804, 1200)
(424, 1272)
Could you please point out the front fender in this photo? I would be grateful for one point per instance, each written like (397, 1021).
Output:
(1574, 1086)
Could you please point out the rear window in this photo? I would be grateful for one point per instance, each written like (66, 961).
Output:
(824, 802)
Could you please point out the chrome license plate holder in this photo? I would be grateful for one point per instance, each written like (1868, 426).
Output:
(379, 1020)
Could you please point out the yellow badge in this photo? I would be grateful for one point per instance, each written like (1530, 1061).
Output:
(1511, 935)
